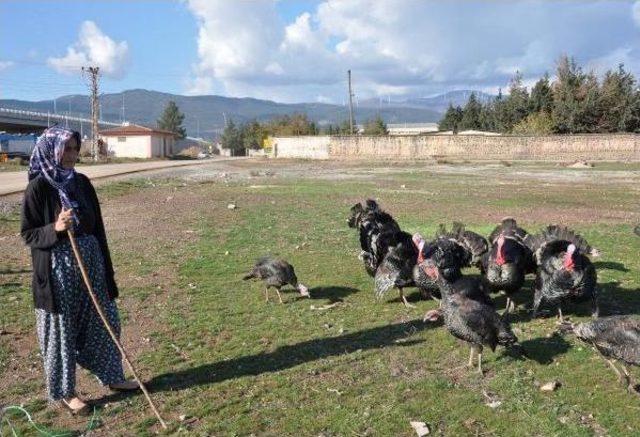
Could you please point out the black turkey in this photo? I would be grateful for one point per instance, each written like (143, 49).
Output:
(371, 221)
(565, 272)
(475, 244)
(508, 261)
(397, 267)
(468, 311)
(276, 273)
(617, 338)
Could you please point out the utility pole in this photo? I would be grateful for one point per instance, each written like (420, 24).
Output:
(350, 103)
(123, 108)
(91, 74)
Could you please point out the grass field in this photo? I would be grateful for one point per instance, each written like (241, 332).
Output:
(221, 361)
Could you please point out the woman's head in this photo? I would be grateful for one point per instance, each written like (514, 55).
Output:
(53, 157)
(70, 151)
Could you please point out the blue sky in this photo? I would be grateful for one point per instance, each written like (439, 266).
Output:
(300, 50)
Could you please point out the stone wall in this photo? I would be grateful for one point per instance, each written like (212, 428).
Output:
(612, 147)
(312, 147)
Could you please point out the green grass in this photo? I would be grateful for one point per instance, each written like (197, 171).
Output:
(235, 365)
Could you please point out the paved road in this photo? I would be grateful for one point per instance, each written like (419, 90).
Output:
(13, 182)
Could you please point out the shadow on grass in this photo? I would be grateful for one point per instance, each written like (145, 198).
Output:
(333, 293)
(543, 350)
(284, 357)
(616, 300)
(610, 265)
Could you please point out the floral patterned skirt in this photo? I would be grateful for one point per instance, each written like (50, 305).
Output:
(76, 335)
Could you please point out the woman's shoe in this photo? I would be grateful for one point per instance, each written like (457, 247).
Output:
(129, 385)
(75, 406)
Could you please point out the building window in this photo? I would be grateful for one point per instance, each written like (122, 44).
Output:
(122, 139)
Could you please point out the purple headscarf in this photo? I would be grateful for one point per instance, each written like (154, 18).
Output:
(46, 160)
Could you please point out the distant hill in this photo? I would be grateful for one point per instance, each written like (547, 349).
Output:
(206, 114)
(438, 103)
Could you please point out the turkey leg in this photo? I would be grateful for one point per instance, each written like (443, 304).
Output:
(404, 299)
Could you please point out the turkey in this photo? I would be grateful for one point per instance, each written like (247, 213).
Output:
(508, 261)
(276, 273)
(452, 256)
(616, 338)
(565, 271)
(468, 312)
(371, 221)
(475, 245)
(397, 266)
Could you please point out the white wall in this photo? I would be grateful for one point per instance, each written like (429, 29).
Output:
(135, 146)
(312, 147)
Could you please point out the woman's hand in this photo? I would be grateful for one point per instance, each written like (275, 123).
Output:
(65, 220)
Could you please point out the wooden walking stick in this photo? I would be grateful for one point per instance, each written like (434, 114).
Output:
(96, 304)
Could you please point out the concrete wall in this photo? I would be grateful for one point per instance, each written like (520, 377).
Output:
(548, 148)
(315, 147)
(134, 146)
(140, 146)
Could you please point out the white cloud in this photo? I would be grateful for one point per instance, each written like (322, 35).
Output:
(635, 10)
(398, 47)
(5, 65)
(93, 48)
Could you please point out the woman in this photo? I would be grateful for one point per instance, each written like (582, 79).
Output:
(69, 329)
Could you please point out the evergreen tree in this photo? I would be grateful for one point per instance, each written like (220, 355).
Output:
(541, 96)
(171, 120)
(232, 139)
(517, 103)
(618, 99)
(472, 114)
(565, 95)
(588, 111)
(376, 126)
(345, 128)
(451, 119)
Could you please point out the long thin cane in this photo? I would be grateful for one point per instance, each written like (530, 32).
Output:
(107, 325)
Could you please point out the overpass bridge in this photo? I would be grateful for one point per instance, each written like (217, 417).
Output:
(19, 121)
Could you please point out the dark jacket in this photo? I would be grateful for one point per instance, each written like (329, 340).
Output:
(40, 210)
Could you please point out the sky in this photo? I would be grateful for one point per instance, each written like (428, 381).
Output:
(300, 51)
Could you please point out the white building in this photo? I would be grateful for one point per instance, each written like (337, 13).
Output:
(135, 141)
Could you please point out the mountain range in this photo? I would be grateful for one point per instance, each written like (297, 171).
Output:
(206, 115)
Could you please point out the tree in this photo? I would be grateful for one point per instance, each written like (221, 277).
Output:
(292, 125)
(516, 104)
(541, 96)
(536, 123)
(618, 99)
(253, 135)
(171, 120)
(588, 109)
(376, 126)
(472, 114)
(232, 139)
(451, 119)
(565, 95)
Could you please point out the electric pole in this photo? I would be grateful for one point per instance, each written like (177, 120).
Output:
(91, 74)
(350, 103)
(123, 107)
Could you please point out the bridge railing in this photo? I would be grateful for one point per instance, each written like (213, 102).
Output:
(49, 116)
